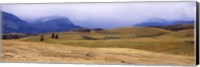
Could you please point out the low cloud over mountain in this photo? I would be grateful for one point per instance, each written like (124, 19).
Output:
(13, 24)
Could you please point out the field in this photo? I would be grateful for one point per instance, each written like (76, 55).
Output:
(131, 45)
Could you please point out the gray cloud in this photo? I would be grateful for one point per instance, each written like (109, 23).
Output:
(106, 15)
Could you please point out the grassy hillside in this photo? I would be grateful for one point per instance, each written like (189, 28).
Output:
(177, 27)
(150, 39)
(20, 51)
(106, 34)
(188, 33)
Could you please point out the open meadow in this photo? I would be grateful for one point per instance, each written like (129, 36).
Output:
(131, 45)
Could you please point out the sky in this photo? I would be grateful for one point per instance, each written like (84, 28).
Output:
(105, 15)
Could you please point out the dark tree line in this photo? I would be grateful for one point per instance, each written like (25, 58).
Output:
(81, 30)
(10, 36)
(86, 30)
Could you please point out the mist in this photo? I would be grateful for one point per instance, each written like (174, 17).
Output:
(105, 15)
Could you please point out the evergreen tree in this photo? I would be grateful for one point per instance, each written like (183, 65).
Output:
(53, 35)
(56, 37)
(42, 38)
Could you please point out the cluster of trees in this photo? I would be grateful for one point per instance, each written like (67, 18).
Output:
(10, 36)
(87, 30)
(56, 36)
(97, 29)
(53, 36)
(81, 30)
(177, 27)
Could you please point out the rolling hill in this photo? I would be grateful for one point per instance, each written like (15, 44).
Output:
(129, 45)
(150, 39)
(132, 45)
(22, 51)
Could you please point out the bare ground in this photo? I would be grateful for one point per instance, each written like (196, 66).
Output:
(19, 51)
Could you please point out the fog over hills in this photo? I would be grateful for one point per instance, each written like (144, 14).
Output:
(13, 24)
(105, 15)
(54, 24)
(43, 18)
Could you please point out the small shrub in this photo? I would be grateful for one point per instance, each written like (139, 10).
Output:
(88, 37)
(42, 38)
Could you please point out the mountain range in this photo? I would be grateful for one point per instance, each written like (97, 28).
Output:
(13, 24)
(161, 22)
(54, 24)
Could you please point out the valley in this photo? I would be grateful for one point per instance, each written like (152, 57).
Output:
(56, 39)
(131, 45)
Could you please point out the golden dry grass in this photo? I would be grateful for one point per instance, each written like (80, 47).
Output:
(179, 43)
(18, 51)
(115, 46)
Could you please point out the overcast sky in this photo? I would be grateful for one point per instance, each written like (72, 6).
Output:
(107, 15)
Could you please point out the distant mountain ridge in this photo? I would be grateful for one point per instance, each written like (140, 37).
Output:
(13, 24)
(54, 24)
(162, 22)
(174, 26)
